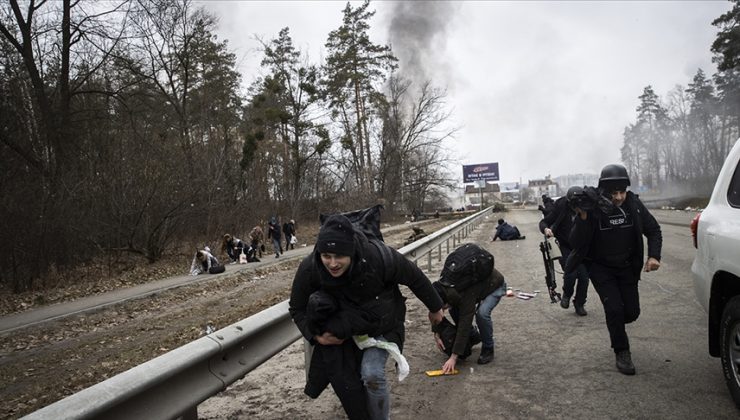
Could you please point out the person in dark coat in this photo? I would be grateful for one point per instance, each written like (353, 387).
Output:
(289, 231)
(610, 244)
(233, 247)
(353, 269)
(548, 205)
(337, 365)
(475, 302)
(558, 223)
(506, 232)
(273, 232)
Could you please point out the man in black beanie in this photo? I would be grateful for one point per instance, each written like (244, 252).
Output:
(365, 273)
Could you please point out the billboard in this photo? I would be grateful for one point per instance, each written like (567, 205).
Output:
(480, 172)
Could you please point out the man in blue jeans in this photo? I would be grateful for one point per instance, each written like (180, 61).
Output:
(366, 275)
(476, 301)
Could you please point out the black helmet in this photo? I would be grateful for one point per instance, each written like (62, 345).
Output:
(573, 192)
(614, 177)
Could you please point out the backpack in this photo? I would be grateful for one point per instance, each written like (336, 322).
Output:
(466, 265)
(366, 221)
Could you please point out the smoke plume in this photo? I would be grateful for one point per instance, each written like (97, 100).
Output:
(418, 36)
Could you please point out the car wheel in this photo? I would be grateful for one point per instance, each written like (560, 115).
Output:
(730, 349)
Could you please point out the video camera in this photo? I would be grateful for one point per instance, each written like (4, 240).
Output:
(588, 198)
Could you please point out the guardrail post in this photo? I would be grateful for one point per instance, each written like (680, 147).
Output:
(429, 262)
(439, 252)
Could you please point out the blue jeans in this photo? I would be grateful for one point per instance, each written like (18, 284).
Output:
(483, 316)
(372, 371)
(277, 246)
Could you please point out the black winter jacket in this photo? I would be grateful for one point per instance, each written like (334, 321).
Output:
(644, 224)
(371, 284)
(466, 303)
(560, 220)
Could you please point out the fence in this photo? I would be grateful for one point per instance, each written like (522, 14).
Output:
(173, 384)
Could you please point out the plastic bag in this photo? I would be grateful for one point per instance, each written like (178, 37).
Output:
(242, 257)
(293, 240)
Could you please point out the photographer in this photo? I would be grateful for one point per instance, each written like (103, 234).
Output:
(558, 223)
(608, 239)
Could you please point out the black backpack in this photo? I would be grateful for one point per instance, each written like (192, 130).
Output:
(366, 221)
(466, 265)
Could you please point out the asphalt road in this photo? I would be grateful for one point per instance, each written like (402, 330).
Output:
(549, 362)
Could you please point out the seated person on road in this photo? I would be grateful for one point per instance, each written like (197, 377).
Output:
(476, 301)
(506, 232)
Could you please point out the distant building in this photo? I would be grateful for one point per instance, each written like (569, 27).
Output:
(543, 186)
(472, 197)
(571, 180)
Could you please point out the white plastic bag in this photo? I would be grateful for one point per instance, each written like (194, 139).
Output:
(242, 257)
(293, 240)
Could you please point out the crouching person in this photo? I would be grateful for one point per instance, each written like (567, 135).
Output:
(205, 262)
(355, 270)
(471, 292)
(506, 232)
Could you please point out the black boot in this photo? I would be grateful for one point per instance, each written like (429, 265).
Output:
(565, 302)
(486, 356)
(624, 362)
(580, 310)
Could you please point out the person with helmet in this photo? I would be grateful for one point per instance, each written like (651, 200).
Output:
(609, 242)
(547, 206)
(558, 223)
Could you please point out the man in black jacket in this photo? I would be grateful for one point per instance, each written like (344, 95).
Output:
(365, 273)
(289, 231)
(558, 222)
(475, 302)
(610, 244)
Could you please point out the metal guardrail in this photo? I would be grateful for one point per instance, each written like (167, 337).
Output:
(173, 384)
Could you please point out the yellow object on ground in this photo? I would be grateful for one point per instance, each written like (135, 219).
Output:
(439, 372)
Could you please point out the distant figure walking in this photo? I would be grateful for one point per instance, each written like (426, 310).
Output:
(289, 231)
(273, 232)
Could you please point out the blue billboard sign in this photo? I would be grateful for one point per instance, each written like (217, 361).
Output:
(480, 172)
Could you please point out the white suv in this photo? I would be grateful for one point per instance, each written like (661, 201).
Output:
(716, 269)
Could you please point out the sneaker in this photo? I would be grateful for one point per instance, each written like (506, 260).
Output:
(624, 362)
(580, 310)
(486, 356)
(565, 302)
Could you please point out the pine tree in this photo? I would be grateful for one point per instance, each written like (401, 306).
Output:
(354, 67)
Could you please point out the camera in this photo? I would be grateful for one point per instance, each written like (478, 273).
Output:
(588, 198)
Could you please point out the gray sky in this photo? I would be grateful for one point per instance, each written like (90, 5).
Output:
(540, 87)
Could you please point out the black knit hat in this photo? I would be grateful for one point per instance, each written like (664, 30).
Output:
(336, 236)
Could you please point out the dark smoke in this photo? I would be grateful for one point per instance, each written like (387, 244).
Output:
(418, 36)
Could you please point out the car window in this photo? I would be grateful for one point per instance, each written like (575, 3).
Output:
(733, 193)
